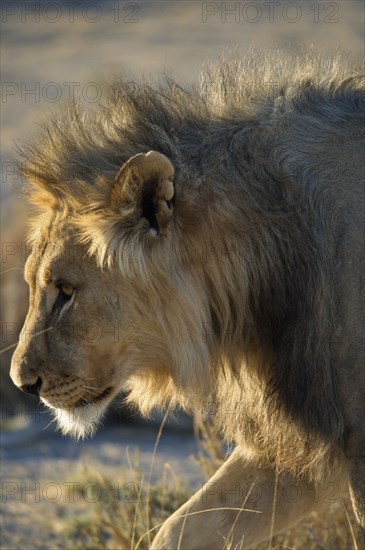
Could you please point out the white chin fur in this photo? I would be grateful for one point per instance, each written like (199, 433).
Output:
(78, 423)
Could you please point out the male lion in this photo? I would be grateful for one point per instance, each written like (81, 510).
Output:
(213, 242)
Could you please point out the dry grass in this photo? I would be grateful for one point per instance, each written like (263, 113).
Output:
(124, 522)
(122, 517)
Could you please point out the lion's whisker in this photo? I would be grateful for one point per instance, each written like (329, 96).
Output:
(11, 269)
(50, 422)
(31, 336)
(95, 391)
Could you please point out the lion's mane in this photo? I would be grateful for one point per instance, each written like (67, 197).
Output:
(258, 296)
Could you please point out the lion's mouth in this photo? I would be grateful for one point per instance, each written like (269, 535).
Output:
(83, 417)
(95, 399)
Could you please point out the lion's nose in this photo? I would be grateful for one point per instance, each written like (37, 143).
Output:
(33, 389)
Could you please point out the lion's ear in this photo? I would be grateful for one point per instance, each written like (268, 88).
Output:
(144, 184)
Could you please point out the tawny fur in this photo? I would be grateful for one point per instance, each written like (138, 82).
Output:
(248, 285)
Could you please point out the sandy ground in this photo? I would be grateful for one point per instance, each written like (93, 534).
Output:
(46, 55)
(42, 473)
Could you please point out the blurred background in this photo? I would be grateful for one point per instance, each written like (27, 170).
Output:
(51, 51)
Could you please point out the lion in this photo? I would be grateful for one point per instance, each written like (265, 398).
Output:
(202, 248)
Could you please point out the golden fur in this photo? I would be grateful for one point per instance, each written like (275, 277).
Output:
(235, 252)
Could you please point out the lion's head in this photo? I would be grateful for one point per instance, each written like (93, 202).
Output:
(110, 307)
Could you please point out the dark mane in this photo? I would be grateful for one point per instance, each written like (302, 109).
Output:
(78, 145)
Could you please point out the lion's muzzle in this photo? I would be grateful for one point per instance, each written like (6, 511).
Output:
(26, 378)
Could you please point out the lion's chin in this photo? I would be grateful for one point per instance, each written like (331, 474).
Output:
(79, 422)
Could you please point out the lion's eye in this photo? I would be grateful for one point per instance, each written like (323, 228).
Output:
(66, 293)
(66, 289)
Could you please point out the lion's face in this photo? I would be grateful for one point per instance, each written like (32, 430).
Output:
(76, 343)
(89, 328)
(94, 329)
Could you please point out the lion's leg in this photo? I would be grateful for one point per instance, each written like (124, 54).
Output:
(270, 503)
